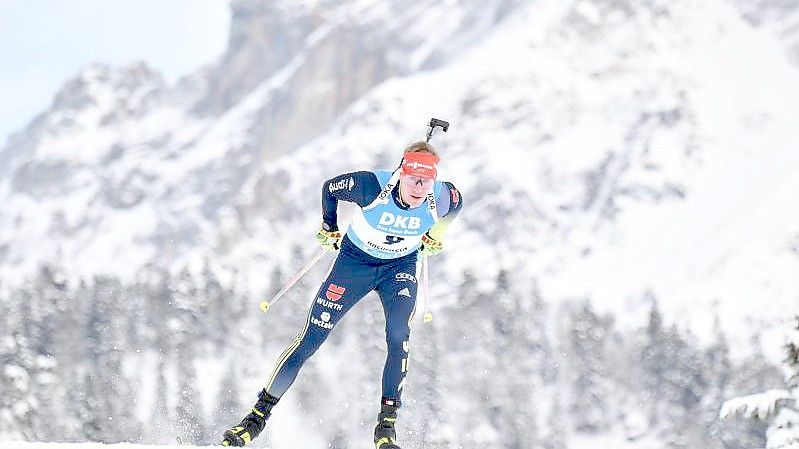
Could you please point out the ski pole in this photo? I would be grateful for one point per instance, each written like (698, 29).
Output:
(290, 283)
(428, 315)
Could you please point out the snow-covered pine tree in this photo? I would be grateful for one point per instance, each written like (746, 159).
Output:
(652, 352)
(108, 395)
(71, 321)
(188, 410)
(74, 362)
(50, 308)
(228, 403)
(16, 402)
(160, 428)
(586, 351)
(780, 407)
(520, 323)
(554, 437)
(425, 405)
(470, 364)
(27, 365)
(716, 366)
(216, 319)
(186, 329)
(672, 381)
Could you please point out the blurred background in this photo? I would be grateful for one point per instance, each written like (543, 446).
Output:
(625, 262)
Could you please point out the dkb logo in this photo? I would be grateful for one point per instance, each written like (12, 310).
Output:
(400, 221)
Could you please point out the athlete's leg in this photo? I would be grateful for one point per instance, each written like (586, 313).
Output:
(397, 289)
(349, 280)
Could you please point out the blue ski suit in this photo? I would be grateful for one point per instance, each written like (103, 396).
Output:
(378, 252)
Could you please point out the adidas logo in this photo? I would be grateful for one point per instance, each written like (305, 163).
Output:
(404, 292)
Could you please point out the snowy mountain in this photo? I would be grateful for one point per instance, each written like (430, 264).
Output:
(612, 150)
(165, 169)
(640, 135)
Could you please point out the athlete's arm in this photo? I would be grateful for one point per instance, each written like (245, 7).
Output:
(449, 201)
(360, 187)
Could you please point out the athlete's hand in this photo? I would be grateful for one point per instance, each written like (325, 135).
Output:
(329, 240)
(430, 246)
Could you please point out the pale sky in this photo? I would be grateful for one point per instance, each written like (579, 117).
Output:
(43, 43)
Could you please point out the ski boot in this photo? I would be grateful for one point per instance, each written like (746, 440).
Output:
(385, 435)
(252, 424)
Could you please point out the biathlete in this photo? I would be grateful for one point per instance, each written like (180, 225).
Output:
(401, 214)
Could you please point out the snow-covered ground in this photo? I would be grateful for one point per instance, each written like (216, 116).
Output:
(26, 445)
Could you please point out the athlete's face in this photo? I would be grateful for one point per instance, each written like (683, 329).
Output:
(414, 189)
